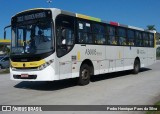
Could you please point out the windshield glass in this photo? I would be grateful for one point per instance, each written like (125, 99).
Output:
(32, 37)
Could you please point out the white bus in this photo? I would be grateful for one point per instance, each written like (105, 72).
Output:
(52, 44)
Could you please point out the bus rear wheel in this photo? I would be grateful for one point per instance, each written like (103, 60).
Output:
(84, 77)
(136, 67)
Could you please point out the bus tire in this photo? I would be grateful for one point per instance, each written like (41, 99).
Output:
(84, 77)
(136, 67)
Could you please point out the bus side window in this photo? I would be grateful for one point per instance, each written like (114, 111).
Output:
(131, 38)
(151, 40)
(99, 34)
(84, 33)
(122, 36)
(112, 40)
(80, 32)
(145, 39)
(138, 40)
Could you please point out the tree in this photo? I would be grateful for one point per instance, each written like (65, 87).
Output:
(158, 38)
(151, 27)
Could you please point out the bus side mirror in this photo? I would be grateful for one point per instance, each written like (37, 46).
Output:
(5, 31)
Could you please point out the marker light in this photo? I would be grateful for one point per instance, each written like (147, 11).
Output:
(114, 23)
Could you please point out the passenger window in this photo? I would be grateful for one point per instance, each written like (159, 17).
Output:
(122, 36)
(99, 34)
(139, 40)
(112, 31)
(84, 32)
(151, 40)
(145, 39)
(131, 37)
(112, 39)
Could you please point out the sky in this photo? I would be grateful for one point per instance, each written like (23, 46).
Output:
(139, 13)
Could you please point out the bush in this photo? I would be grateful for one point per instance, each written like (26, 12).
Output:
(158, 52)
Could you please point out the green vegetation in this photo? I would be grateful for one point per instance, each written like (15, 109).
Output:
(151, 27)
(154, 112)
(158, 53)
(158, 38)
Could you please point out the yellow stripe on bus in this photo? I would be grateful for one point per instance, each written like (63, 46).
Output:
(5, 41)
(88, 17)
(27, 64)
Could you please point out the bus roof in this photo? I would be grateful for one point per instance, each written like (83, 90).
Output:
(90, 18)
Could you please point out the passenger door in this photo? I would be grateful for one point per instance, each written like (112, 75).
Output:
(64, 44)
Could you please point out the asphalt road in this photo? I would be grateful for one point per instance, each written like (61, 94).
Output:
(121, 88)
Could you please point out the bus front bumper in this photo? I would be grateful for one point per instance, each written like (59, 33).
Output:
(47, 74)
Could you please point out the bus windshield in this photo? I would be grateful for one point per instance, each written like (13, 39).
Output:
(32, 37)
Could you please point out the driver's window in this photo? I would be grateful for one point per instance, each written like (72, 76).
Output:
(65, 34)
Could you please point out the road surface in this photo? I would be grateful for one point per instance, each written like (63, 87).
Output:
(122, 88)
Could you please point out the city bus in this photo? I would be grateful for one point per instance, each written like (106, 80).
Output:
(51, 44)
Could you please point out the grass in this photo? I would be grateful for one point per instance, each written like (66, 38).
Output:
(154, 112)
(5, 71)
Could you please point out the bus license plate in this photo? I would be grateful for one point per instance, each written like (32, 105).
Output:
(24, 75)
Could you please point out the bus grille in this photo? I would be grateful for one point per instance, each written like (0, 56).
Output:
(29, 77)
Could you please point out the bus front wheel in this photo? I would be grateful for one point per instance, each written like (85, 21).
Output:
(136, 67)
(84, 77)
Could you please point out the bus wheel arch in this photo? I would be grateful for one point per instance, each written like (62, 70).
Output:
(86, 70)
(136, 65)
(90, 64)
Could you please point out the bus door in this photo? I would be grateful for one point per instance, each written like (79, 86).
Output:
(64, 45)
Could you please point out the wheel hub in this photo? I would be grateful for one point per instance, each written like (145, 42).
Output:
(85, 74)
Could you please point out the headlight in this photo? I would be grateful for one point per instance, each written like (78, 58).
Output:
(45, 64)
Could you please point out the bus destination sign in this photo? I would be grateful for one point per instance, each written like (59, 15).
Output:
(31, 16)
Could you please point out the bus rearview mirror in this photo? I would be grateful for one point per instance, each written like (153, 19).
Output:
(5, 30)
(4, 34)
